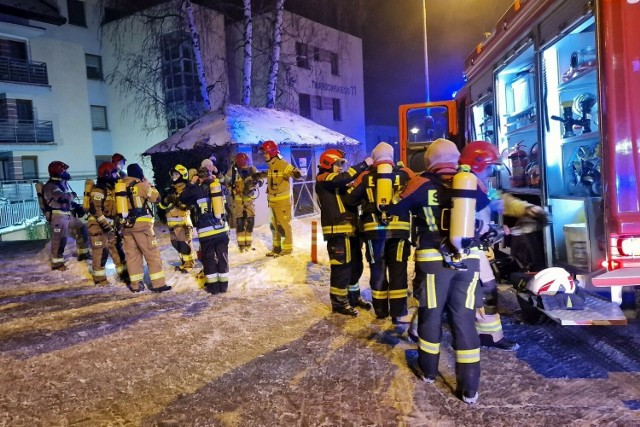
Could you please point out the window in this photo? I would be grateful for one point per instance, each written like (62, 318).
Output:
(101, 159)
(337, 114)
(94, 66)
(14, 49)
(24, 110)
(302, 55)
(99, 117)
(4, 169)
(318, 102)
(305, 105)
(75, 11)
(30, 167)
(335, 70)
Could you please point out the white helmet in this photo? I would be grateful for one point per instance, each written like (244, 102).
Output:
(551, 281)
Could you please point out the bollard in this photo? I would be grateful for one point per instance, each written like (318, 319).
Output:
(314, 242)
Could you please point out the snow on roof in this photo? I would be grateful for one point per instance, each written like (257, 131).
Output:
(249, 126)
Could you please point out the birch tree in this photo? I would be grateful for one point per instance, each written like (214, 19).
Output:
(248, 43)
(195, 39)
(275, 55)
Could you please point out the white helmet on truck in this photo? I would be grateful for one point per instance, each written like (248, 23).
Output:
(551, 281)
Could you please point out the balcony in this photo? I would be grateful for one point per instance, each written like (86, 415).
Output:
(22, 71)
(26, 131)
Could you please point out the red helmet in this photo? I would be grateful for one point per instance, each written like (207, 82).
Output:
(270, 147)
(242, 160)
(330, 157)
(56, 168)
(117, 157)
(479, 154)
(106, 169)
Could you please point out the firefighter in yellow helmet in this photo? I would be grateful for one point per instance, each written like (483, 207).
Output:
(101, 224)
(59, 208)
(179, 218)
(279, 197)
(140, 242)
(447, 284)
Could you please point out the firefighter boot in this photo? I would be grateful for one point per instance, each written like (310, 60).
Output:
(59, 267)
(356, 300)
(346, 310)
(136, 287)
(161, 289)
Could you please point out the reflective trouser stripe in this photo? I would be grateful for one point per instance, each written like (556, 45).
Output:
(354, 288)
(431, 291)
(189, 257)
(471, 292)
(99, 273)
(398, 293)
(338, 292)
(468, 356)
(136, 277)
(156, 276)
(429, 347)
(380, 294)
(212, 278)
(489, 327)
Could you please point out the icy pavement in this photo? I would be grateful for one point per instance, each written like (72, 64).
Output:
(269, 352)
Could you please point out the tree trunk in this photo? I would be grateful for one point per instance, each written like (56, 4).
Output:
(275, 57)
(248, 35)
(198, 55)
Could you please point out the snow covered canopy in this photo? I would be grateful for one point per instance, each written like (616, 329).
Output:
(249, 126)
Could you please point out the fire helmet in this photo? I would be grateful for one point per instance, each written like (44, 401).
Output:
(270, 147)
(551, 281)
(329, 157)
(184, 172)
(479, 154)
(117, 157)
(242, 160)
(106, 169)
(58, 169)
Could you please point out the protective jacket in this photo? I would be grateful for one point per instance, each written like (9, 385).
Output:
(178, 212)
(199, 196)
(278, 181)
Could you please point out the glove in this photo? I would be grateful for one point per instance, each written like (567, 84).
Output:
(535, 212)
(77, 210)
(296, 174)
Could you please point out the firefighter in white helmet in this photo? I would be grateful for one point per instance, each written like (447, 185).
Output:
(481, 156)
(449, 274)
(179, 218)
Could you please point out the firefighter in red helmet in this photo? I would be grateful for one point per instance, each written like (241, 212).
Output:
(101, 225)
(279, 197)
(340, 230)
(482, 157)
(58, 200)
(244, 180)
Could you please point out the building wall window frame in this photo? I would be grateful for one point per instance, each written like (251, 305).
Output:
(302, 55)
(30, 167)
(337, 111)
(99, 117)
(76, 13)
(94, 66)
(304, 102)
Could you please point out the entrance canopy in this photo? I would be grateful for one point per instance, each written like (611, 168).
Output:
(250, 126)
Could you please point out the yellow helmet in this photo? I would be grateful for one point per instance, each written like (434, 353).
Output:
(184, 173)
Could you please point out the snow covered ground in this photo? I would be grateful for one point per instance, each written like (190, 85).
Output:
(270, 352)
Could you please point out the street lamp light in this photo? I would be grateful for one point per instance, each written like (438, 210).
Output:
(414, 130)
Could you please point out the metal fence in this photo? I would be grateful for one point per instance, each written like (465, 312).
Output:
(17, 190)
(16, 213)
(22, 71)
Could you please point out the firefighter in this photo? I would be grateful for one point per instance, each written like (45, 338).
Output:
(244, 180)
(339, 228)
(101, 225)
(481, 156)
(279, 198)
(446, 286)
(179, 218)
(62, 212)
(386, 236)
(212, 228)
(139, 237)
(119, 160)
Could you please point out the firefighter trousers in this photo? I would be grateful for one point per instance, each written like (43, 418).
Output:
(103, 244)
(345, 256)
(215, 262)
(62, 224)
(281, 227)
(244, 231)
(181, 237)
(388, 265)
(452, 291)
(140, 245)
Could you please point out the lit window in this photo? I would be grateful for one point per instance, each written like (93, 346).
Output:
(99, 117)
(94, 66)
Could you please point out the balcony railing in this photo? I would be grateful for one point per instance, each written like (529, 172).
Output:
(22, 71)
(26, 131)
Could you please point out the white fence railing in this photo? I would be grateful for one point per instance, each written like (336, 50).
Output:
(16, 213)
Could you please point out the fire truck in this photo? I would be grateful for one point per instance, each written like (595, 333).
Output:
(556, 87)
